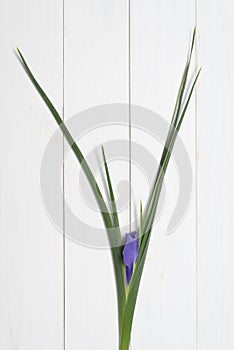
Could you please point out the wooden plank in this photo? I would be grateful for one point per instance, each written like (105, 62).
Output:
(166, 308)
(215, 176)
(96, 63)
(30, 247)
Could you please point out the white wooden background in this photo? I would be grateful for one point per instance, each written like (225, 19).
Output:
(55, 294)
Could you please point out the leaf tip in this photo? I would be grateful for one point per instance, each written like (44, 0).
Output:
(18, 52)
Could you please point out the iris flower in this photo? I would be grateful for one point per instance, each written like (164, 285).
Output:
(130, 253)
(133, 256)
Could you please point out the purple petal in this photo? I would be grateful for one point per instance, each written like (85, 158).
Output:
(129, 272)
(130, 253)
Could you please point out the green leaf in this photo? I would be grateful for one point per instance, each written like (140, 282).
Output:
(176, 122)
(188, 100)
(111, 192)
(72, 143)
(116, 251)
(179, 99)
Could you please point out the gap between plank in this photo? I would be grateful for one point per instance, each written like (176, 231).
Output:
(63, 182)
(130, 113)
(196, 184)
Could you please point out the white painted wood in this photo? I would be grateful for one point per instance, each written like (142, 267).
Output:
(31, 305)
(96, 63)
(166, 308)
(215, 176)
(96, 73)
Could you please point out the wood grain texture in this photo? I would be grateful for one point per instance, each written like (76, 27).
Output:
(215, 176)
(30, 246)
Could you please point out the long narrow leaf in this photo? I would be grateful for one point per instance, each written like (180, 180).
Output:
(188, 100)
(116, 253)
(117, 250)
(72, 143)
(179, 99)
(148, 222)
(111, 192)
(174, 120)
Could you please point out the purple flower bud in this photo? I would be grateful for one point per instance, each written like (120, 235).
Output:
(130, 253)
